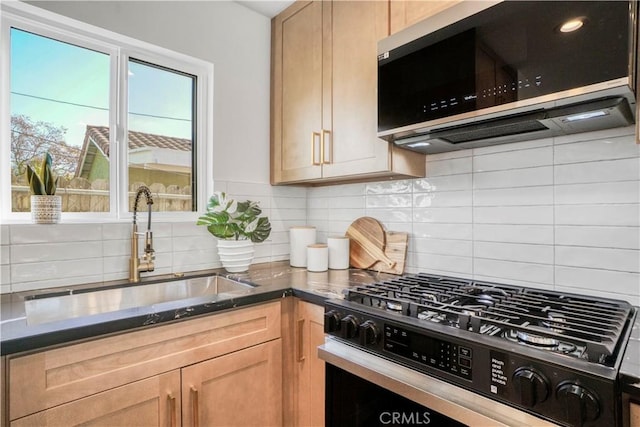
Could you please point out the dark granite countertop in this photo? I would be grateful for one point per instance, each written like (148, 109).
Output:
(274, 280)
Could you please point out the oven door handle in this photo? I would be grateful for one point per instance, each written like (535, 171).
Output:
(452, 401)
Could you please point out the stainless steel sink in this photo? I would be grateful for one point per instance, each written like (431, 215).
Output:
(44, 309)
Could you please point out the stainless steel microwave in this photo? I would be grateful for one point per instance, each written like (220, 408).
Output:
(482, 73)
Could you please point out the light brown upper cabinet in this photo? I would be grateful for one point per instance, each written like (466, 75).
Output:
(324, 96)
(405, 13)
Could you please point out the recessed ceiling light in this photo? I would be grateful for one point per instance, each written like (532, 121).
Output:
(572, 25)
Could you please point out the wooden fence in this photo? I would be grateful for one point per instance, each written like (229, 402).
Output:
(80, 195)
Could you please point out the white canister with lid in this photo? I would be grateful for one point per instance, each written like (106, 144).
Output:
(338, 252)
(299, 238)
(317, 257)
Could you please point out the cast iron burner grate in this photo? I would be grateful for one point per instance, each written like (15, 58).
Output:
(578, 326)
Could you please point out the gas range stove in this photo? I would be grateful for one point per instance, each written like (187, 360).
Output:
(555, 355)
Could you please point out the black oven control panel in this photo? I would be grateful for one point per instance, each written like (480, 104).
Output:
(439, 354)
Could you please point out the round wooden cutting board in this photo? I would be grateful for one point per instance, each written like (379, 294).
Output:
(367, 243)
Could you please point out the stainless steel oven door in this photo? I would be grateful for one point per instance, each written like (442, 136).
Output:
(449, 400)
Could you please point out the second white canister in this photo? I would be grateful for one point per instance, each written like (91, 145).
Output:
(338, 252)
(317, 257)
(299, 238)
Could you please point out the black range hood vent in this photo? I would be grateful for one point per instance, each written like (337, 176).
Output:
(574, 118)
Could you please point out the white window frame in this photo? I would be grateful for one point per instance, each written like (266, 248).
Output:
(120, 48)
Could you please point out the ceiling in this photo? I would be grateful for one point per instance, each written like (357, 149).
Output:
(268, 8)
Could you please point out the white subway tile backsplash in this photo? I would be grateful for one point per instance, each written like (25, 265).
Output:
(559, 213)
(47, 233)
(604, 237)
(602, 193)
(539, 254)
(524, 145)
(605, 258)
(443, 246)
(30, 272)
(389, 201)
(525, 196)
(605, 214)
(442, 231)
(388, 187)
(514, 215)
(449, 155)
(519, 159)
(56, 252)
(510, 270)
(603, 171)
(448, 167)
(445, 215)
(443, 183)
(621, 147)
(118, 231)
(439, 199)
(4, 235)
(447, 264)
(57, 282)
(345, 214)
(511, 178)
(601, 135)
(507, 233)
(620, 282)
(390, 215)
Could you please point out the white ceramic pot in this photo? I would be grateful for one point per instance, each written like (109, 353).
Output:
(235, 255)
(46, 209)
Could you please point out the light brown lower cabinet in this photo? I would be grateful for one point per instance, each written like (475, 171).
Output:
(634, 416)
(146, 403)
(239, 389)
(309, 368)
(225, 368)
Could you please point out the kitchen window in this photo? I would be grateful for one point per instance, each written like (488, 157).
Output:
(113, 112)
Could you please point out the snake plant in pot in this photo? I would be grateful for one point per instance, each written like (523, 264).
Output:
(237, 225)
(46, 207)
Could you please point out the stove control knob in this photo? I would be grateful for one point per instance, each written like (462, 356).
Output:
(531, 386)
(580, 404)
(349, 327)
(331, 321)
(368, 333)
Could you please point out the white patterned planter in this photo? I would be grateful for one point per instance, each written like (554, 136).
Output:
(235, 255)
(46, 209)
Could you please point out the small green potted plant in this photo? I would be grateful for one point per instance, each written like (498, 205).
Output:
(237, 225)
(46, 207)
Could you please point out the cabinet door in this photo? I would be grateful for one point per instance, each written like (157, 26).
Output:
(405, 13)
(310, 368)
(634, 418)
(151, 402)
(243, 388)
(352, 146)
(297, 93)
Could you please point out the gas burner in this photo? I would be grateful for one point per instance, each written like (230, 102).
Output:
(438, 317)
(472, 310)
(539, 341)
(394, 306)
(556, 321)
(483, 297)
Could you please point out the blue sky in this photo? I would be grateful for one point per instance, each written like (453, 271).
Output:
(65, 74)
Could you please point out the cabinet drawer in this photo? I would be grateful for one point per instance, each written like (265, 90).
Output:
(49, 378)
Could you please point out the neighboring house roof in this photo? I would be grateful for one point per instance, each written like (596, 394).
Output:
(96, 138)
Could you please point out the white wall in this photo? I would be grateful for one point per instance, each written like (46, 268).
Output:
(234, 38)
